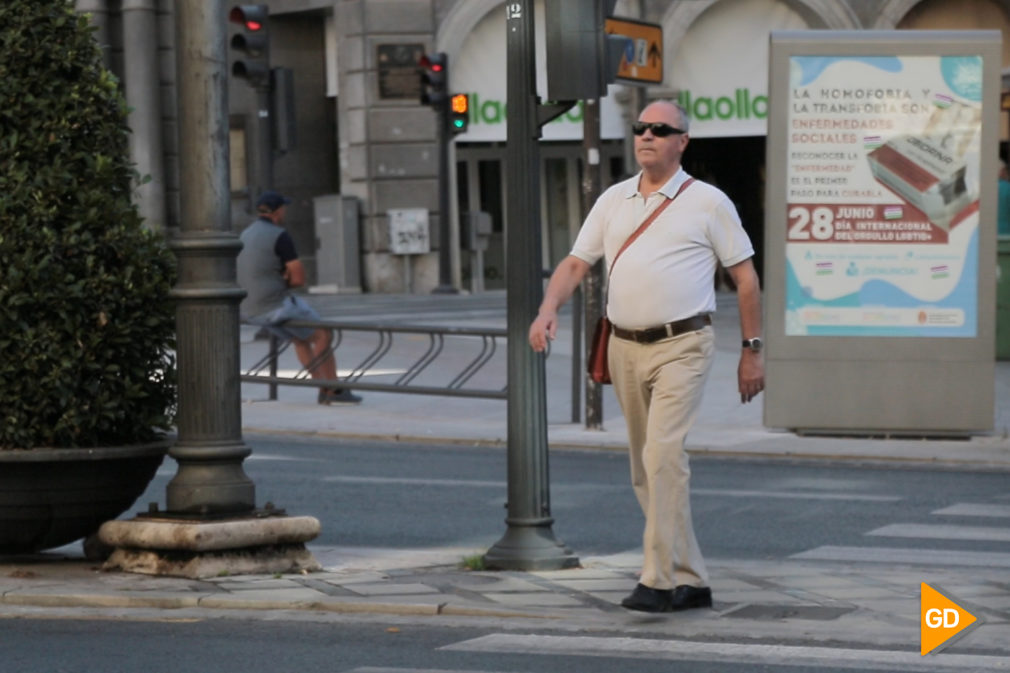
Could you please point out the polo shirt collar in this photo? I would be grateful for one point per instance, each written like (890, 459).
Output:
(669, 190)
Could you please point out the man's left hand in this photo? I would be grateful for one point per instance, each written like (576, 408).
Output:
(750, 375)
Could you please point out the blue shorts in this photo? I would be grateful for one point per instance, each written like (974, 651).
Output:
(292, 308)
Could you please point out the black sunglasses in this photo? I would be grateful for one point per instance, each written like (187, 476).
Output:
(659, 129)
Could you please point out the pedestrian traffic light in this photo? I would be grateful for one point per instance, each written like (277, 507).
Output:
(434, 71)
(251, 44)
(459, 112)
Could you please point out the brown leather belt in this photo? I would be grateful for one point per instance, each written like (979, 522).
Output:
(670, 329)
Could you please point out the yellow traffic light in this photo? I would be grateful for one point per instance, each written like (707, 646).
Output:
(459, 112)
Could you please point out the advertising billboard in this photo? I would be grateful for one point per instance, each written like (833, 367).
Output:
(880, 233)
(883, 191)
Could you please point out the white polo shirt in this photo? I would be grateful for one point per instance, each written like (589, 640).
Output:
(667, 273)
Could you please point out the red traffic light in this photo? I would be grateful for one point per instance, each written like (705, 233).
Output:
(252, 17)
(251, 45)
(432, 62)
(434, 71)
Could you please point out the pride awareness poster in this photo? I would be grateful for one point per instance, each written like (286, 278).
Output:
(883, 183)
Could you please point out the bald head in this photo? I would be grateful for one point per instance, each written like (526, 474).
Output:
(659, 155)
(671, 110)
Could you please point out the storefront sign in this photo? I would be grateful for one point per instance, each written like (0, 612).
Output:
(719, 68)
(883, 183)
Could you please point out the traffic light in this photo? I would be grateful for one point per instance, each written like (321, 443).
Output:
(251, 44)
(459, 112)
(434, 70)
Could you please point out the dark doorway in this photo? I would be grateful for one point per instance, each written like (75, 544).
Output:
(737, 167)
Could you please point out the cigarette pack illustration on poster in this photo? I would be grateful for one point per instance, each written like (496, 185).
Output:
(883, 192)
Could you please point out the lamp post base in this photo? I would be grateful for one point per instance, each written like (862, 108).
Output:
(529, 548)
(200, 549)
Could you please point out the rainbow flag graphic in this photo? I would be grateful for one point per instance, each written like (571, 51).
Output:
(892, 212)
(941, 271)
(942, 100)
(825, 268)
(872, 142)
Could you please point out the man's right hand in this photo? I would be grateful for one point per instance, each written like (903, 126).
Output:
(543, 328)
(564, 280)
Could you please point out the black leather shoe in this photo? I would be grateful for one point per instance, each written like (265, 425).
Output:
(686, 597)
(647, 599)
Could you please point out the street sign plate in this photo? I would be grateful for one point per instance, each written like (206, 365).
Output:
(398, 74)
(643, 57)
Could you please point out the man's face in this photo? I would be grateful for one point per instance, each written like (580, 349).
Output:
(653, 152)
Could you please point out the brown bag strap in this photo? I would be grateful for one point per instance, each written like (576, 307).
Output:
(649, 220)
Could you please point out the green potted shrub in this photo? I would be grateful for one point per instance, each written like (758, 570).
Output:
(87, 376)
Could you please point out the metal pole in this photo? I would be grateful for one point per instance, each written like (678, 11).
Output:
(445, 285)
(577, 347)
(140, 65)
(594, 279)
(274, 347)
(264, 141)
(529, 542)
(210, 480)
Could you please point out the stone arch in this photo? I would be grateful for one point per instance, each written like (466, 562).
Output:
(460, 21)
(892, 11)
(828, 14)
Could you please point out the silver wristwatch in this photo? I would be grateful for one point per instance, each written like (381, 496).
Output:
(754, 343)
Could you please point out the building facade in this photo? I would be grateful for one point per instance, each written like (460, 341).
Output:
(364, 147)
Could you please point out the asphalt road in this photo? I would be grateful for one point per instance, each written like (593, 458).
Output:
(380, 494)
(360, 646)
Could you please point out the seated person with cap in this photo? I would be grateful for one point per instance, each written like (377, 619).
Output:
(268, 268)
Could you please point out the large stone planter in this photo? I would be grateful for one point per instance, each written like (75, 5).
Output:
(50, 497)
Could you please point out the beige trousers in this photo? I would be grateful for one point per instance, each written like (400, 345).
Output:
(659, 387)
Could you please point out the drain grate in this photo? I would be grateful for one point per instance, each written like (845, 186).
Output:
(772, 612)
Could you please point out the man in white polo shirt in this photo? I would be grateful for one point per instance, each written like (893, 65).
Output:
(660, 296)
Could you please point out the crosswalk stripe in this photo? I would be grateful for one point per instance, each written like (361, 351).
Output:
(405, 481)
(667, 649)
(943, 532)
(910, 556)
(562, 487)
(975, 509)
(387, 669)
(791, 495)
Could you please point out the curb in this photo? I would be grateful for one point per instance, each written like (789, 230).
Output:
(231, 603)
(698, 451)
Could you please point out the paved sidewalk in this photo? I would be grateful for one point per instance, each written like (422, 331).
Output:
(816, 606)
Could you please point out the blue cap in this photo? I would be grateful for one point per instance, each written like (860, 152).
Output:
(269, 201)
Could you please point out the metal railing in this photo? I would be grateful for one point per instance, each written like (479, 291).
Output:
(410, 359)
(399, 358)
